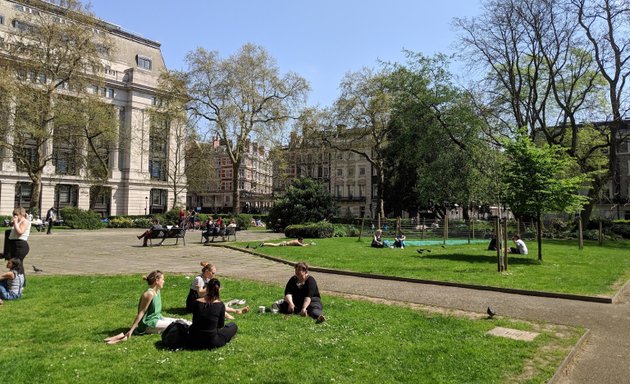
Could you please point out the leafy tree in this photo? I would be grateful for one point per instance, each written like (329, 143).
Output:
(539, 180)
(363, 115)
(436, 156)
(305, 201)
(241, 98)
(54, 60)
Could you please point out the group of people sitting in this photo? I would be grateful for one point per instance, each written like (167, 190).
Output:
(216, 228)
(379, 242)
(208, 329)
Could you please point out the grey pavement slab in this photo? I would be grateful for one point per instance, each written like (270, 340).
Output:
(604, 358)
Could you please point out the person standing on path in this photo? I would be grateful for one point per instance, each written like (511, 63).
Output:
(51, 216)
(17, 243)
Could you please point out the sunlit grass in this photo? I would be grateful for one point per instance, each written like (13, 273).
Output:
(55, 335)
(595, 270)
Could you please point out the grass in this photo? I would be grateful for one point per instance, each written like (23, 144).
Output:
(54, 335)
(595, 270)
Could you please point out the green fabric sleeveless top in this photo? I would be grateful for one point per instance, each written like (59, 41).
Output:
(153, 313)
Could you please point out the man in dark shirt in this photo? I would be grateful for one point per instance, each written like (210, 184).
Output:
(301, 295)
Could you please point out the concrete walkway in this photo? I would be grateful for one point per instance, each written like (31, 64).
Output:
(604, 358)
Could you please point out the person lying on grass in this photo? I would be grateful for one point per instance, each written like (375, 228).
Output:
(301, 295)
(208, 329)
(299, 242)
(12, 282)
(198, 289)
(149, 318)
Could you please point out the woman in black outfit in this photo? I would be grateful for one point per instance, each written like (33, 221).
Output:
(208, 329)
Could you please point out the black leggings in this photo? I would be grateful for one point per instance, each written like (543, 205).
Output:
(223, 336)
(314, 309)
(15, 248)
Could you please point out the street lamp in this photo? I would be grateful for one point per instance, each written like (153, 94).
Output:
(146, 204)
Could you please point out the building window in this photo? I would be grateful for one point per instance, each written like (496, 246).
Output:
(338, 191)
(66, 195)
(1, 20)
(362, 171)
(21, 25)
(144, 62)
(23, 193)
(158, 201)
(158, 148)
(339, 172)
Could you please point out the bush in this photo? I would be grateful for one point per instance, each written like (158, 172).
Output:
(121, 222)
(78, 218)
(342, 230)
(318, 230)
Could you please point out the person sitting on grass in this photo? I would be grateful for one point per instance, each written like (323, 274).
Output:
(198, 289)
(208, 329)
(149, 318)
(399, 242)
(151, 232)
(520, 248)
(377, 240)
(299, 242)
(12, 282)
(301, 296)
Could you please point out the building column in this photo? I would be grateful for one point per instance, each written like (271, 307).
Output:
(84, 197)
(7, 197)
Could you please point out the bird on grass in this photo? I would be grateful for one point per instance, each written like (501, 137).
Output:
(247, 246)
(490, 313)
(37, 269)
(420, 251)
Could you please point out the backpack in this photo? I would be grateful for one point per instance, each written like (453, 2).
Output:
(175, 335)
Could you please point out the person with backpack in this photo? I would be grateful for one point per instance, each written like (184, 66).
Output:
(208, 329)
(12, 282)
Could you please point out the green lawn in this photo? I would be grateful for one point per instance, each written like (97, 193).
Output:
(595, 270)
(54, 335)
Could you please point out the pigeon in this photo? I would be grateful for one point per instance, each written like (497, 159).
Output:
(490, 313)
(247, 246)
(420, 251)
(37, 269)
(442, 246)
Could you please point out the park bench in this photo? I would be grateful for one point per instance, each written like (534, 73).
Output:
(223, 234)
(163, 234)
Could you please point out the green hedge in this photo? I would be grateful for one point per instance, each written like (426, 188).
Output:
(318, 230)
(78, 218)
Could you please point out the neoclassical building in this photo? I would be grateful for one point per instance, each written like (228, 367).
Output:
(142, 159)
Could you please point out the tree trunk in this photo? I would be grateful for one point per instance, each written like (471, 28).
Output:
(236, 201)
(539, 234)
(36, 179)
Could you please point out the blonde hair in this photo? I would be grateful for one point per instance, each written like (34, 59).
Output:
(19, 211)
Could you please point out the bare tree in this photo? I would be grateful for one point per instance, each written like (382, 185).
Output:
(606, 24)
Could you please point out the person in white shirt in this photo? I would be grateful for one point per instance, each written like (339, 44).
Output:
(520, 248)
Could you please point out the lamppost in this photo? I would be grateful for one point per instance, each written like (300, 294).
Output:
(146, 204)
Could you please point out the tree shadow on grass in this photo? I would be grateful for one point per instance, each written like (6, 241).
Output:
(490, 259)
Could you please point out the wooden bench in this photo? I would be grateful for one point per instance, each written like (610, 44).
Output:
(223, 234)
(173, 233)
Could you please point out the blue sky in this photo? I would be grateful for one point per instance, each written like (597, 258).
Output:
(320, 40)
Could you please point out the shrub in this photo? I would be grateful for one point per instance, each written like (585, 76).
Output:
(318, 230)
(243, 221)
(121, 222)
(305, 201)
(342, 230)
(142, 222)
(78, 218)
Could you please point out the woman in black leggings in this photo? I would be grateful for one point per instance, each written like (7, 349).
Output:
(16, 244)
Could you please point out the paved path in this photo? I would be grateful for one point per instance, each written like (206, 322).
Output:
(605, 358)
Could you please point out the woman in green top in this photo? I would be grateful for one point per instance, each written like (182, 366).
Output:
(149, 318)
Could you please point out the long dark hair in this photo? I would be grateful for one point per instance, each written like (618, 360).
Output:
(212, 290)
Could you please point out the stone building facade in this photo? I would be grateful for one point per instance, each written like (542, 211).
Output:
(254, 181)
(139, 164)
